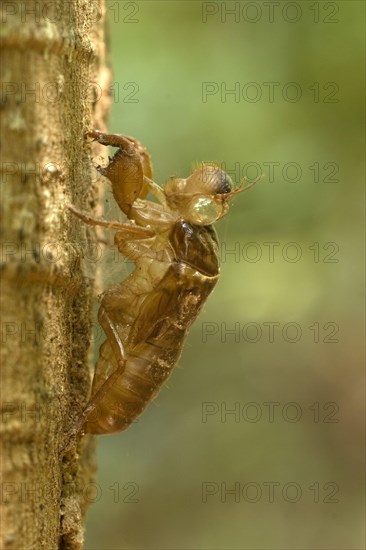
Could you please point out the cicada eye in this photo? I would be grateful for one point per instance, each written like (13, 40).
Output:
(210, 179)
(225, 184)
(205, 210)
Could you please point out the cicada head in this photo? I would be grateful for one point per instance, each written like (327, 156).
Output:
(203, 197)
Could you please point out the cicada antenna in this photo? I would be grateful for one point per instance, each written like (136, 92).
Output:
(250, 184)
(242, 187)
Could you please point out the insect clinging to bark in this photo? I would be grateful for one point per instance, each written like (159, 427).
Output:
(175, 250)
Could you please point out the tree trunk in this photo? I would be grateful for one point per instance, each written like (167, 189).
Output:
(54, 90)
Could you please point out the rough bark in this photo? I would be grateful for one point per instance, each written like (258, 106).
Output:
(54, 90)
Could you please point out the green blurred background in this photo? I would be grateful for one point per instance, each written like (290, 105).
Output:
(162, 53)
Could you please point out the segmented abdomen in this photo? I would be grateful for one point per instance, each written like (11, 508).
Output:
(153, 327)
(153, 347)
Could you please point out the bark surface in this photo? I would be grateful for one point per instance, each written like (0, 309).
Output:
(55, 88)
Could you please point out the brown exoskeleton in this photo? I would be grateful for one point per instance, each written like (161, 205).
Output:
(147, 316)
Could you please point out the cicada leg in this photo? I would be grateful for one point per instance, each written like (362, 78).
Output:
(124, 142)
(126, 170)
(131, 231)
(155, 190)
(120, 355)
